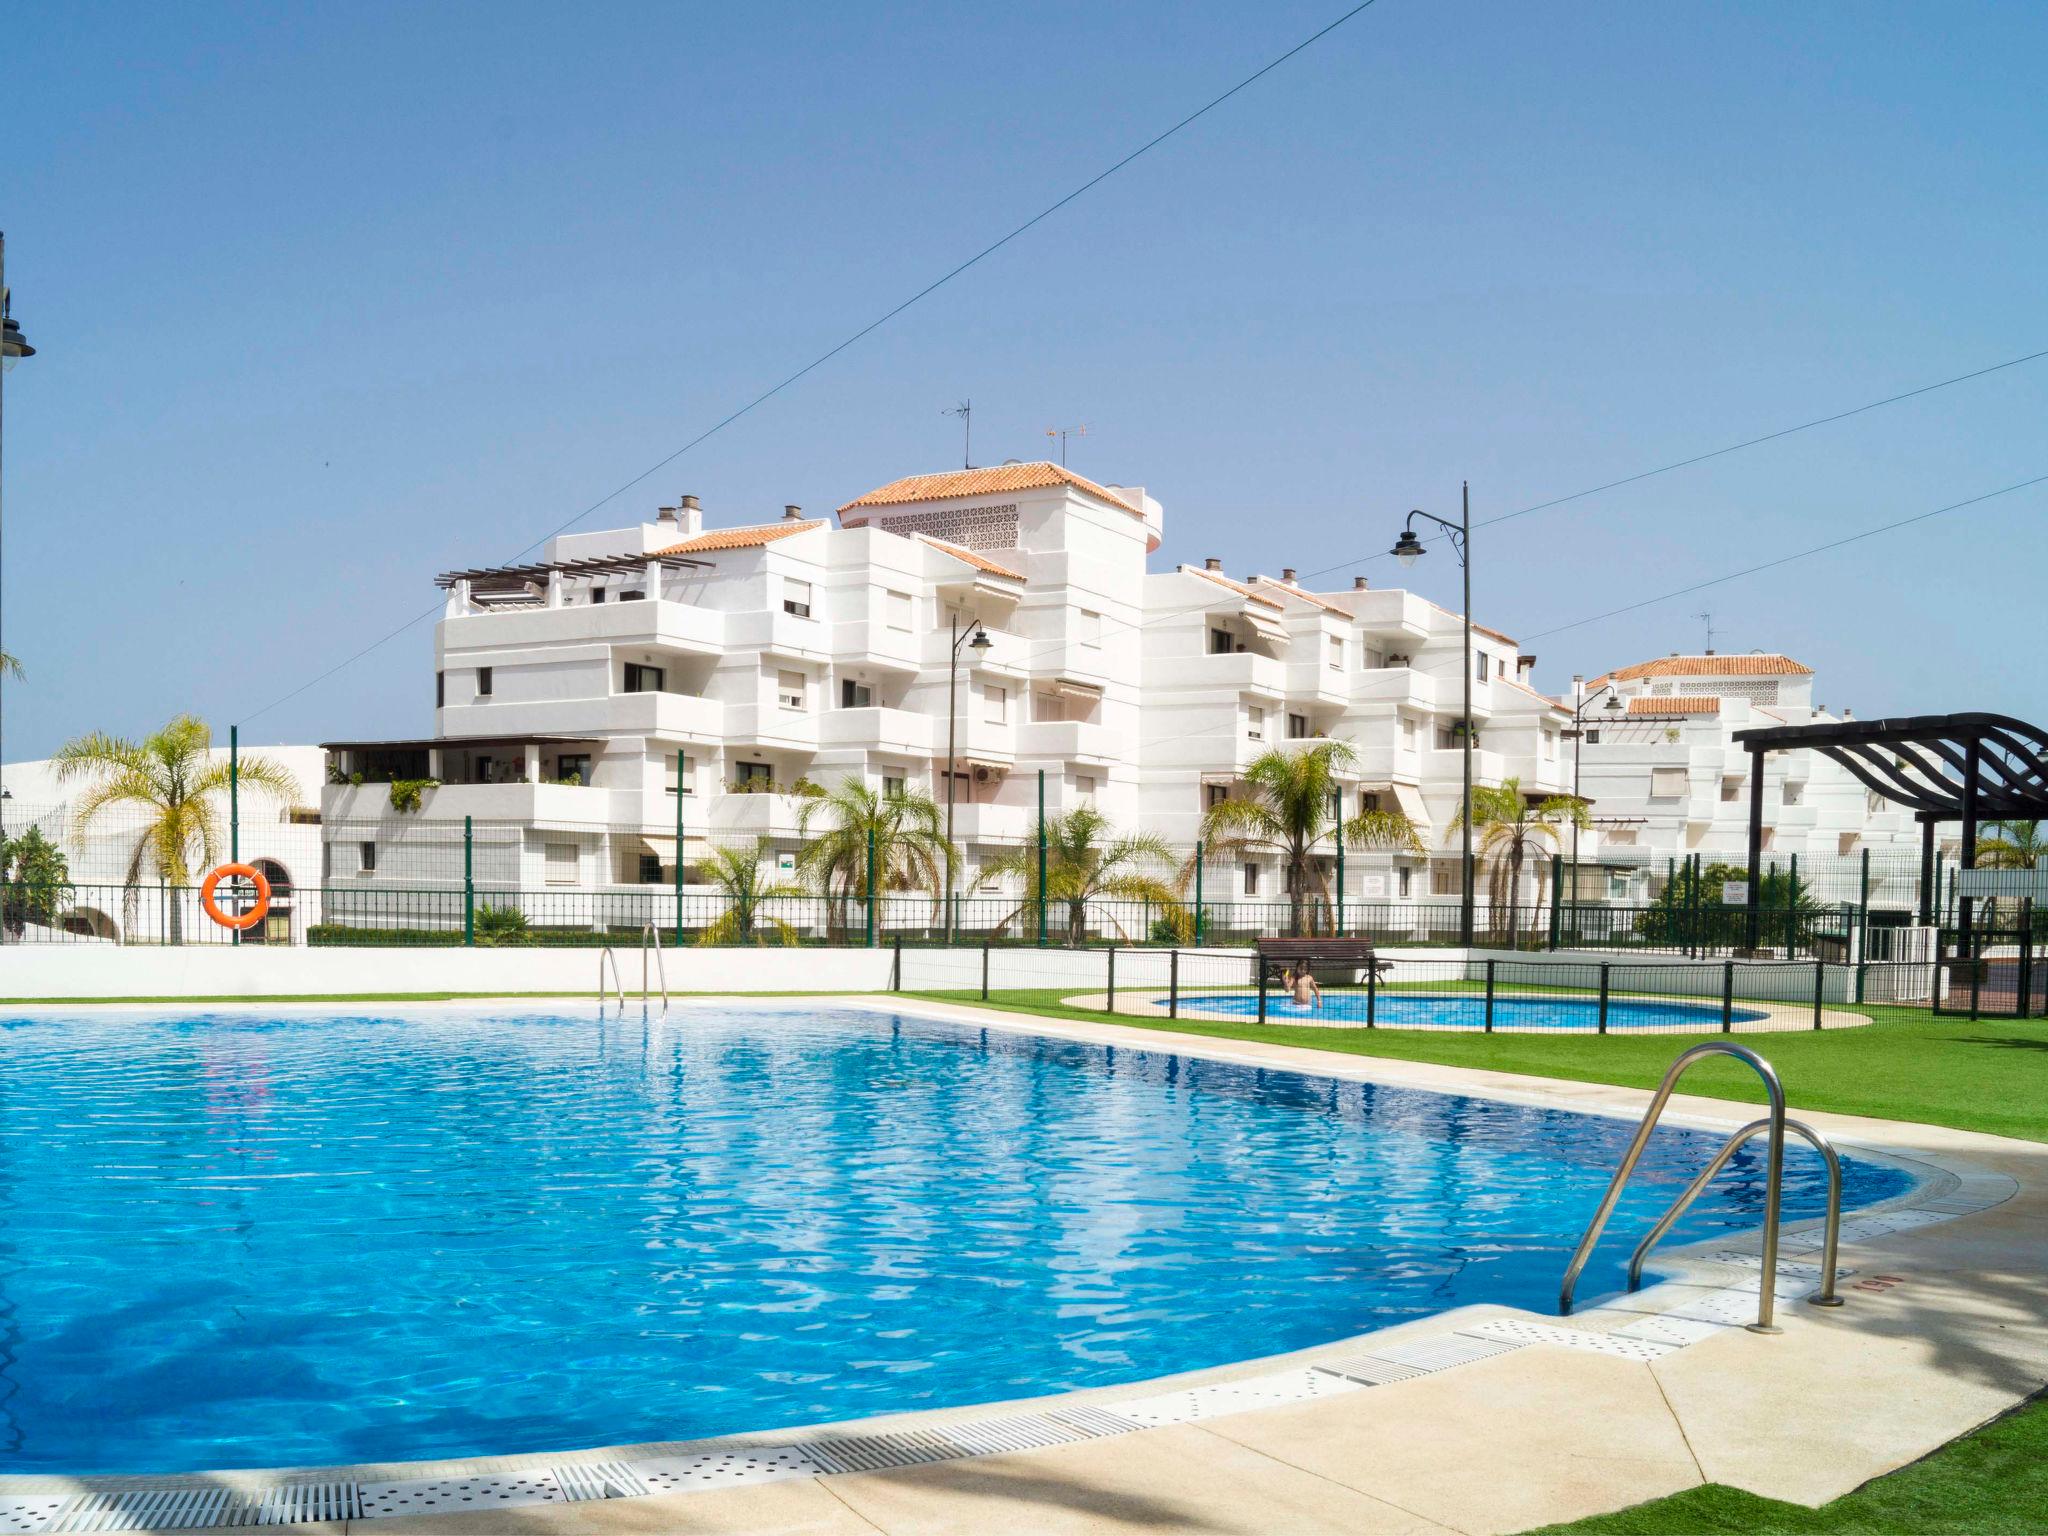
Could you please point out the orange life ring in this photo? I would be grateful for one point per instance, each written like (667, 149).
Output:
(240, 920)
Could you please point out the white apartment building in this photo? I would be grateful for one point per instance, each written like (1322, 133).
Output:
(1667, 780)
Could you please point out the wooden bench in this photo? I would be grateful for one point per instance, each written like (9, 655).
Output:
(1312, 954)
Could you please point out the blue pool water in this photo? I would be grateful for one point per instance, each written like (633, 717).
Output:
(1467, 1010)
(235, 1240)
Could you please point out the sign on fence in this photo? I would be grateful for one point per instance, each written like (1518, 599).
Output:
(1735, 893)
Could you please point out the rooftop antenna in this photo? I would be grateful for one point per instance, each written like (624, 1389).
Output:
(1706, 617)
(965, 411)
(1063, 433)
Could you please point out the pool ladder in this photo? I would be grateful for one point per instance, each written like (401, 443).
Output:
(1774, 1125)
(649, 943)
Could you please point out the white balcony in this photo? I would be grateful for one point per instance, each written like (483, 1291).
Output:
(1244, 671)
(678, 716)
(1068, 741)
(980, 823)
(881, 730)
(519, 802)
(675, 626)
(743, 814)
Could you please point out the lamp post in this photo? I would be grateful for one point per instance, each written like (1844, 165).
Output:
(978, 641)
(13, 348)
(1580, 699)
(1408, 549)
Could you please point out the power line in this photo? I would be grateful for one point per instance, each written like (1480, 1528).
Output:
(1715, 581)
(872, 326)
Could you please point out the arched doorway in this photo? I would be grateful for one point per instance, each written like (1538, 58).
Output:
(276, 927)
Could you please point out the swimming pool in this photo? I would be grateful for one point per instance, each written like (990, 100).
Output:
(1467, 1010)
(236, 1239)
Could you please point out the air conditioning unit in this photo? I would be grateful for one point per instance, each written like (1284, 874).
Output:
(983, 775)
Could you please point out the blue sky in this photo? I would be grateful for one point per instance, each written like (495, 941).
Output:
(333, 297)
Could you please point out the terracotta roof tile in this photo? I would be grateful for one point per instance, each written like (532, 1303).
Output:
(969, 557)
(1306, 596)
(1690, 704)
(744, 538)
(1708, 666)
(1238, 587)
(1477, 629)
(982, 482)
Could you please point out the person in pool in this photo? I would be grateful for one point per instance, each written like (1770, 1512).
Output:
(1302, 987)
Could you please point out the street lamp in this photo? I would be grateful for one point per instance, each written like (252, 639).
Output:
(1580, 700)
(978, 642)
(13, 348)
(1408, 549)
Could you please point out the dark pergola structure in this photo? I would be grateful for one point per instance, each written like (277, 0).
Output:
(1970, 768)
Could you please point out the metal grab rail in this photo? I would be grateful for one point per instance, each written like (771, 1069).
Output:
(618, 985)
(1820, 1144)
(1773, 1177)
(650, 940)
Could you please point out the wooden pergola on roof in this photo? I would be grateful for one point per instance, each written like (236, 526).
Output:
(1968, 768)
(498, 576)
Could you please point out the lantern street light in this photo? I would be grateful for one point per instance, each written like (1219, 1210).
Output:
(1408, 549)
(13, 348)
(979, 643)
(1581, 702)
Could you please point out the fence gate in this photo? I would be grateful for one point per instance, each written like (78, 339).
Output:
(1994, 973)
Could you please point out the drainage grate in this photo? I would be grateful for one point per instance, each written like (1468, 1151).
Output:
(297, 1503)
(585, 1480)
(878, 1453)
(721, 1469)
(1090, 1423)
(1026, 1432)
(152, 1509)
(31, 1511)
(1573, 1338)
(1199, 1403)
(439, 1495)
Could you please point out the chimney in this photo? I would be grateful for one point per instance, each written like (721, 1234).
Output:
(791, 512)
(1287, 574)
(1848, 713)
(1358, 583)
(665, 515)
(1212, 564)
(689, 517)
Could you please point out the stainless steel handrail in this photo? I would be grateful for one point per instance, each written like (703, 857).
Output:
(1831, 1240)
(618, 985)
(1773, 1177)
(650, 940)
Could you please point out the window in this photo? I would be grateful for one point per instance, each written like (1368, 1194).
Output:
(1667, 783)
(753, 773)
(440, 689)
(796, 597)
(892, 786)
(632, 595)
(1447, 878)
(1447, 738)
(854, 695)
(1370, 661)
(597, 594)
(1297, 727)
(789, 690)
(561, 863)
(1336, 654)
(1617, 887)
(573, 765)
(686, 783)
(1368, 801)
(995, 705)
(1088, 629)
(1255, 722)
(1251, 879)
(366, 858)
(1482, 661)
(1593, 736)
(1215, 794)
(650, 869)
(483, 682)
(898, 608)
(1406, 881)
(1221, 643)
(644, 679)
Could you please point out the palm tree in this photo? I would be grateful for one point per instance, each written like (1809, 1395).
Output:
(909, 848)
(1083, 863)
(1512, 833)
(9, 667)
(1295, 802)
(2018, 845)
(172, 778)
(737, 874)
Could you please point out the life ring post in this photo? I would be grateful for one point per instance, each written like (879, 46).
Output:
(238, 922)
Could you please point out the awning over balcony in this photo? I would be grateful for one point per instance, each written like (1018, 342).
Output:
(1408, 801)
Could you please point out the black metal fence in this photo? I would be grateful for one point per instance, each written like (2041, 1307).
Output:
(1476, 995)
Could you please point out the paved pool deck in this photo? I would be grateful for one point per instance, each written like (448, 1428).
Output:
(1534, 1420)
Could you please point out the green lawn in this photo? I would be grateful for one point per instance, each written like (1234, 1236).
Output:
(1983, 1075)
(1989, 1483)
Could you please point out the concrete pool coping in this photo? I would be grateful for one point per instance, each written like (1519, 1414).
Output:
(1631, 1398)
(1777, 1018)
